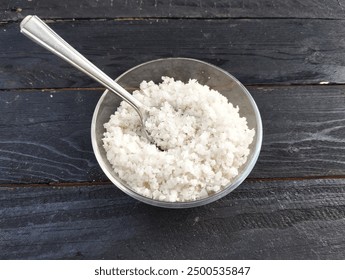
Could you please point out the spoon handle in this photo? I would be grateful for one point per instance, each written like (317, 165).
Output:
(35, 29)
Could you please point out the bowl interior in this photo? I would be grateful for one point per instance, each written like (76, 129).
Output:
(181, 69)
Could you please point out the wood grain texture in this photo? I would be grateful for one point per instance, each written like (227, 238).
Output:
(45, 136)
(261, 51)
(259, 220)
(304, 131)
(17, 9)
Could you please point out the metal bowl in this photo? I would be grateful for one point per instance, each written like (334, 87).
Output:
(181, 69)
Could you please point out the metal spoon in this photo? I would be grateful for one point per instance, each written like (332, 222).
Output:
(35, 29)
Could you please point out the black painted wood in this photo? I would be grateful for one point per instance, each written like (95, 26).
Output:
(45, 135)
(17, 9)
(259, 51)
(259, 220)
(304, 131)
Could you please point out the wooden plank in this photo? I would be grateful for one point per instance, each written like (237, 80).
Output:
(260, 51)
(259, 220)
(304, 131)
(45, 136)
(14, 10)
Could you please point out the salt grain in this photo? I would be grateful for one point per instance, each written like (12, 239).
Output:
(205, 141)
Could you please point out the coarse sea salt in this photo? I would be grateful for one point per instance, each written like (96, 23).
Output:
(204, 141)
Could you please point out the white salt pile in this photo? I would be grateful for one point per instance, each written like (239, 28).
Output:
(204, 139)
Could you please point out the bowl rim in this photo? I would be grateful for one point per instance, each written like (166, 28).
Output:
(188, 204)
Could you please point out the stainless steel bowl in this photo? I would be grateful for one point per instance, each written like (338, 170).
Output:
(181, 69)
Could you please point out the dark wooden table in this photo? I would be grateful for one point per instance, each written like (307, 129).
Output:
(55, 202)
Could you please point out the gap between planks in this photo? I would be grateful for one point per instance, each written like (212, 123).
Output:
(52, 89)
(97, 183)
(103, 89)
(51, 20)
